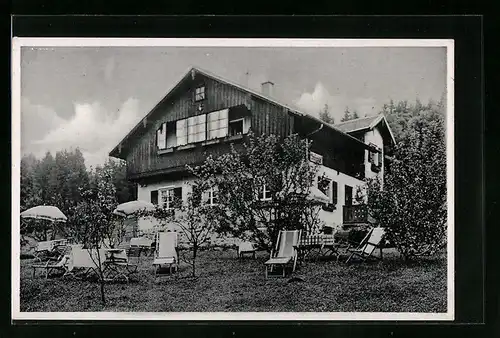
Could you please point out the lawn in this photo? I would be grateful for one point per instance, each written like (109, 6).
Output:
(225, 283)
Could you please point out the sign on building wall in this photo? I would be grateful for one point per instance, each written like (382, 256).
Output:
(315, 158)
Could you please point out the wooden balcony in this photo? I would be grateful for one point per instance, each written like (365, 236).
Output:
(353, 214)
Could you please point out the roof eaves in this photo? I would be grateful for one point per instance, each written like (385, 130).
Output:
(218, 78)
(266, 98)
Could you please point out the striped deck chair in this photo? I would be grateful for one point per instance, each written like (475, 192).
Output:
(166, 251)
(60, 265)
(368, 245)
(285, 252)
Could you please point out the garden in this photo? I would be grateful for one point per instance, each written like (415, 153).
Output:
(410, 276)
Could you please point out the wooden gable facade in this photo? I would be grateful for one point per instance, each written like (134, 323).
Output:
(140, 150)
(146, 162)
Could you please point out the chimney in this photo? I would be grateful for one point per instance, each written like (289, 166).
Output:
(267, 88)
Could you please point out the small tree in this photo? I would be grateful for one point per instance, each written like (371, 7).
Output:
(412, 205)
(325, 116)
(93, 220)
(263, 188)
(195, 220)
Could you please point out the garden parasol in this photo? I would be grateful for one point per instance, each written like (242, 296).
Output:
(46, 212)
(132, 208)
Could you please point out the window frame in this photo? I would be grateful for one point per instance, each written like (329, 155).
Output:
(203, 93)
(330, 187)
(242, 119)
(169, 188)
(210, 194)
(262, 194)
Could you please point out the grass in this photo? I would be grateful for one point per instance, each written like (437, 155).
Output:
(225, 283)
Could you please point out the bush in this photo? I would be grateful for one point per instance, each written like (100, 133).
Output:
(412, 204)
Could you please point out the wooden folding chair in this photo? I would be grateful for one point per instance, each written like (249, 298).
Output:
(285, 253)
(166, 251)
(368, 245)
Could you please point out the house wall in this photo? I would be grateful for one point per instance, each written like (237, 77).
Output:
(373, 136)
(334, 218)
(142, 156)
(144, 194)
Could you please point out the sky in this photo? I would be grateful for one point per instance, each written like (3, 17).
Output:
(91, 97)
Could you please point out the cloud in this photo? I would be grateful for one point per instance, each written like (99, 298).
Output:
(36, 120)
(314, 102)
(93, 129)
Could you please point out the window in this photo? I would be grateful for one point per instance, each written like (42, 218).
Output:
(166, 136)
(265, 194)
(236, 127)
(191, 130)
(170, 197)
(199, 93)
(375, 157)
(324, 185)
(161, 136)
(217, 123)
(211, 196)
(171, 138)
(348, 195)
(154, 197)
(196, 131)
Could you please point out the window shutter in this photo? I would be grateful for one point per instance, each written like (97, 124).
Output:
(154, 197)
(181, 132)
(370, 156)
(161, 136)
(334, 192)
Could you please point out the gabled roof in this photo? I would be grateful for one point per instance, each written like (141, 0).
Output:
(205, 73)
(356, 124)
(364, 123)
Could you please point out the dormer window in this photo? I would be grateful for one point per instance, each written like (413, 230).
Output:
(375, 158)
(199, 93)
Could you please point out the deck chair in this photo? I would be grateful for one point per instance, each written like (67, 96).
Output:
(43, 250)
(285, 252)
(59, 265)
(114, 268)
(166, 251)
(81, 259)
(368, 245)
(139, 245)
(246, 248)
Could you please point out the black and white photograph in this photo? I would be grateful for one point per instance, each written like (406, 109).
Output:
(248, 179)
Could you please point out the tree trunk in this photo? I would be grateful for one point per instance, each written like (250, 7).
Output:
(101, 277)
(195, 250)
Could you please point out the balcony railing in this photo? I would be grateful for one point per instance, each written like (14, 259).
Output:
(355, 214)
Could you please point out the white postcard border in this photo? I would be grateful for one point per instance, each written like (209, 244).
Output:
(18, 43)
